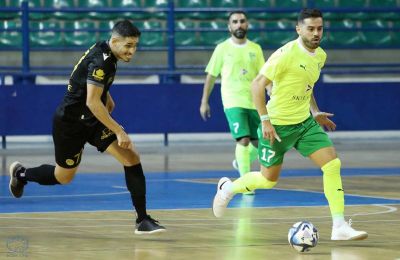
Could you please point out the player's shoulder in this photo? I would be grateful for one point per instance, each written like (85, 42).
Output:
(284, 50)
(253, 45)
(223, 44)
(321, 53)
(101, 53)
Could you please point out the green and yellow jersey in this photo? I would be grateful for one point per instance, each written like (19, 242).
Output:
(238, 66)
(293, 71)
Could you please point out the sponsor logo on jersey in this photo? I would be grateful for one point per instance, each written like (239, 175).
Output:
(106, 133)
(69, 162)
(98, 74)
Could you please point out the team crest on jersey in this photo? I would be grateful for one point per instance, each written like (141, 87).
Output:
(98, 74)
(252, 55)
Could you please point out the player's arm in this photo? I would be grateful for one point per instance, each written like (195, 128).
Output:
(321, 117)
(99, 110)
(258, 88)
(110, 104)
(205, 111)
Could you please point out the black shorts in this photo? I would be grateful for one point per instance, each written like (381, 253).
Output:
(70, 138)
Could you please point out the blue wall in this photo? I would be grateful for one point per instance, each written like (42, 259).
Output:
(175, 108)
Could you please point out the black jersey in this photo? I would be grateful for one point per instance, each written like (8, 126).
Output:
(97, 66)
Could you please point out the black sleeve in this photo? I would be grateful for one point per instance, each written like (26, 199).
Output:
(97, 73)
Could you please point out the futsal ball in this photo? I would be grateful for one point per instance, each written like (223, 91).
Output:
(303, 236)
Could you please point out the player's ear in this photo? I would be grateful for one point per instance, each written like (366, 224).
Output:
(298, 28)
(114, 40)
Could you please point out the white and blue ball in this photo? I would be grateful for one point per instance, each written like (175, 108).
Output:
(303, 236)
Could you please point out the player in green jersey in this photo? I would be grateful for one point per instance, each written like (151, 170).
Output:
(238, 60)
(287, 123)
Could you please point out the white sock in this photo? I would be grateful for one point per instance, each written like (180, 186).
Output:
(338, 221)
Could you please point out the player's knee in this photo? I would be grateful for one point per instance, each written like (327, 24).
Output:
(133, 158)
(245, 141)
(332, 166)
(65, 178)
(63, 175)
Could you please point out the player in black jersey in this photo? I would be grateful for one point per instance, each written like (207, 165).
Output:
(84, 117)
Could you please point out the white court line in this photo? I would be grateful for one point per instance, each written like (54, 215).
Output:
(70, 195)
(389, 209)
(346, 194)
(182, 224)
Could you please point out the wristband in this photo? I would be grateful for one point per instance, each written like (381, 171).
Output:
(264, 118)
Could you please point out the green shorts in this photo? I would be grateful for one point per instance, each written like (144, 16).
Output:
(306, 137)
(242, 122)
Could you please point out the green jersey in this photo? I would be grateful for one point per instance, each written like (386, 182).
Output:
(238, 66)
(293, 71)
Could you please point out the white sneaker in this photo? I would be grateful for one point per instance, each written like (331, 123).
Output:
(221, 199)
(346, 232)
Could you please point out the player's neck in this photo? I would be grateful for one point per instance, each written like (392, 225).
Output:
(302, 45)
(239, 41)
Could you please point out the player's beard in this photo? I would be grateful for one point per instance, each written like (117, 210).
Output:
(240, 33)
(311, 44)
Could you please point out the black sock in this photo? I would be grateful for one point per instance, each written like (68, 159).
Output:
(136, 184)
(44, 175)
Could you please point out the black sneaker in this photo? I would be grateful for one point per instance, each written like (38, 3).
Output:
(148, 226)
(16, 186)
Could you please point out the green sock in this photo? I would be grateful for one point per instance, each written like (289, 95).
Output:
(333, 188)
(253, 153)
(243, 158)
(250, 182)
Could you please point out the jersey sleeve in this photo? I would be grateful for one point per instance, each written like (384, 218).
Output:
(324, 56)
(215, 64)
(96, 73)
(275, 65)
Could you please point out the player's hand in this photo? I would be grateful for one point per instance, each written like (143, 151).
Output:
(123, 140)
(205, 111)
(324, 121)
(269, 132)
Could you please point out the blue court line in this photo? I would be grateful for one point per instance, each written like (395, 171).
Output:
(91, 192)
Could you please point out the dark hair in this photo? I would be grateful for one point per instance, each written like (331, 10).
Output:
(126, 29)
(237, 12)
(308, 13)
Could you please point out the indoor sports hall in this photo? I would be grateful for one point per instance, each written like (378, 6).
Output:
(157, 99)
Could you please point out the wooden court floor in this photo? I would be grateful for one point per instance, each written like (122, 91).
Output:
(246, 232)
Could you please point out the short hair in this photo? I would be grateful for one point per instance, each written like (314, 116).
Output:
(308, 13)
(125, 29)
(236, 12)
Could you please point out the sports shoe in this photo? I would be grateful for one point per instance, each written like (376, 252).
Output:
(148, 226)
(16, 186)
(221, 199)
(346, 232)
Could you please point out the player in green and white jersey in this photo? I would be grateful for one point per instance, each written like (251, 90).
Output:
(287, 123)
(238, 60)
